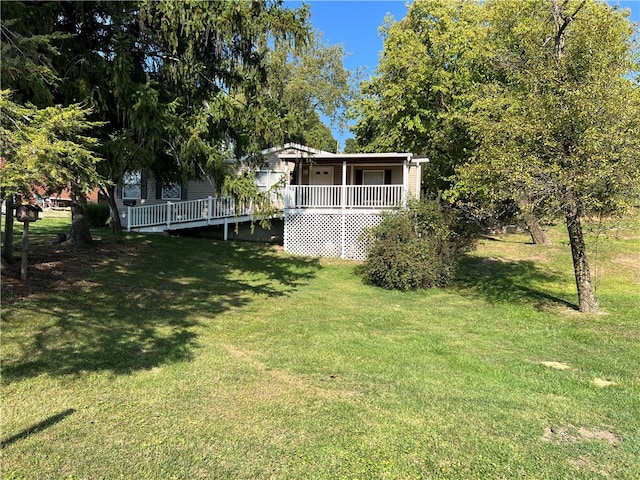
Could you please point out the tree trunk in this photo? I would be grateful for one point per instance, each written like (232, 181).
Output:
(538, 235)
(114, 216)
(587, 302)
(7, 248)
(80, 233)
(25, 251)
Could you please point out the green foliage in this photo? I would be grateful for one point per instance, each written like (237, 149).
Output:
(420, 96)
(418, 247)
(303, 82)
(528, 102)
(558, 116)
(47, 147)
(181, 86)
(98, 214)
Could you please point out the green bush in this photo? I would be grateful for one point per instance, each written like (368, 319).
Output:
(98, 214)
(418, 247)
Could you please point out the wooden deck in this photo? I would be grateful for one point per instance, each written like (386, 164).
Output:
(296, 199)
(187, 214)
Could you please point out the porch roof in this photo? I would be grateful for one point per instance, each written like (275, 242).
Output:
(350, 158)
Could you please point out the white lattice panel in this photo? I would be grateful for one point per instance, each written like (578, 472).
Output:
(327, 235)
(355, 225)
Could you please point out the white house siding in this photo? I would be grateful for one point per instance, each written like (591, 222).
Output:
(414, 190)
(336, 235)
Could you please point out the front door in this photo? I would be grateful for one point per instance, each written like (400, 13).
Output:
(319, 175)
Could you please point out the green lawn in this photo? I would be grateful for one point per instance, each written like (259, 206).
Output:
(165, 357)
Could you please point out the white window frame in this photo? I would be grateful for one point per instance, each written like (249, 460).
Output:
(379, 178)
(132, 181)
(171, 186)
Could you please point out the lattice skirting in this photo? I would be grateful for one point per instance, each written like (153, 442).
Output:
(328, 235)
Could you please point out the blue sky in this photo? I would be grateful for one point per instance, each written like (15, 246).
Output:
(355, 23)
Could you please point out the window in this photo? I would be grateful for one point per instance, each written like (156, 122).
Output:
(373, 177)
(171, 191)
(132, 186)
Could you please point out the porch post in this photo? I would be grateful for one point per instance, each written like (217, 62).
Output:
(405, 181)
(209, 209)
(168, 215)
(343, 193)
(128, 219)
(343, 200)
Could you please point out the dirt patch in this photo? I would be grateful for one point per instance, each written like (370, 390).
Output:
(602, 383)
(609, 437)
(556, 365)
(573, 434)
(57, 266)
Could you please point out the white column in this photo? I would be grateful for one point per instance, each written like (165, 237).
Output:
(405, 180)
(343, 193)
(343, 233)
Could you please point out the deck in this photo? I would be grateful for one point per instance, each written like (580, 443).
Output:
(293, 199)
(187, 214)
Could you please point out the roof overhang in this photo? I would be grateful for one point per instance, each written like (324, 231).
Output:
(351, 158)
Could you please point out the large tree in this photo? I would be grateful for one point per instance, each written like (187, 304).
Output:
(303, 82)
(418, 99)
(47, 148)
(43, 144)
(559, 123)
(532, 103)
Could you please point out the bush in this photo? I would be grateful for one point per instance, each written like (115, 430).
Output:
(418, 247)
(98, 214)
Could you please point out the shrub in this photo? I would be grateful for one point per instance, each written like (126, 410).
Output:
(418, 247)
(98, 214)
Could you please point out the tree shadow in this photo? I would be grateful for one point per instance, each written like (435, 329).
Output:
(38, 427)
(137, 305)
(501, 281)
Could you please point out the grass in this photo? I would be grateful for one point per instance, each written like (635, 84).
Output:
(167, 357)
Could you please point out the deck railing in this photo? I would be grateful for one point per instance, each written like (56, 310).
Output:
(203, 209)
(349, 196)
(295, 196)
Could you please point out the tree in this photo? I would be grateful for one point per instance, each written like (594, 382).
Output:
(432, 63)
(559, 122)
(215, 68)
(177, 83)
(47, 147)
(531, 103)
(30, 70)
(418, 99)
(305, 81)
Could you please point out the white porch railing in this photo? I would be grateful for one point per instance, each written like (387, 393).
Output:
(348, 196)
(201, 210)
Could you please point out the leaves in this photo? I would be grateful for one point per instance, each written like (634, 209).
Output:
(47, 147)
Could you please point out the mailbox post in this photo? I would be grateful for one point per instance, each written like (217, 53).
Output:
(26, 214)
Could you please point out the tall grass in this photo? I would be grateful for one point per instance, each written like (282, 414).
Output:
(189, 358)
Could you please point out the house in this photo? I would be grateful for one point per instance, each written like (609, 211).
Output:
(327, 199)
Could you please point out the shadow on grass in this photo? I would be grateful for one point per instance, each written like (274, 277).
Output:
(519, 282)
(38, 427)
(136, 305)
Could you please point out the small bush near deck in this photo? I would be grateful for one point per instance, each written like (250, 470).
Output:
(418, 247)
(98, 214)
